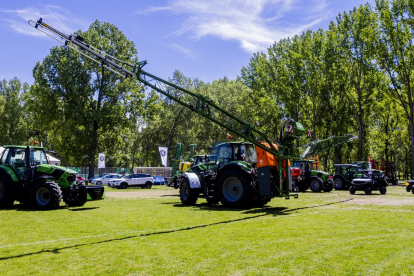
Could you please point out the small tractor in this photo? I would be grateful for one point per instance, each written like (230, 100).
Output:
(316, 180)
(344, 174)
(372, 180)
(27, 177)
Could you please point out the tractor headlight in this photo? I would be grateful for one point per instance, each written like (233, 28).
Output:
(406, 183)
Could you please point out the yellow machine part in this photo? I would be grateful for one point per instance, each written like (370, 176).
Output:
(184, 166)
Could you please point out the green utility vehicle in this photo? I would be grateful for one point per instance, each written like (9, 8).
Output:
(316, 180)
(27, 177)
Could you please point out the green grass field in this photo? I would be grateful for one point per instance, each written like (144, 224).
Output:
(148, 232)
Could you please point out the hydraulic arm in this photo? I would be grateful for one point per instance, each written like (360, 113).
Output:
(198, 103)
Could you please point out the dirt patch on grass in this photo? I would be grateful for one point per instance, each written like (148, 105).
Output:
(382, 200)
(144, 193)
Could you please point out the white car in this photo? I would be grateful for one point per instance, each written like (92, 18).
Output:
(105, 179)
(133, 180)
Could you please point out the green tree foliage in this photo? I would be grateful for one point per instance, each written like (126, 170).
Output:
(396, 54)
(86, 106)
(15, 121)
(356, 35)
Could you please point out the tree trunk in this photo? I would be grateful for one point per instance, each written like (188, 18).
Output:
(361, 136)
(412, 145)
(96, 126)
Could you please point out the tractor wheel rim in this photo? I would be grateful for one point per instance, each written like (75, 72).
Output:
(338, 183)
(232, 189)
(315, 184)
(42, 196)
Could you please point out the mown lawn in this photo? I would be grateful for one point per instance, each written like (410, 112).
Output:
(318, 234)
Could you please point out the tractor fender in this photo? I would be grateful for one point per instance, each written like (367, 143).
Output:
(6, 173)
(193, 180)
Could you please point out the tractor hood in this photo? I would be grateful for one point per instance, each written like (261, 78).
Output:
(47, 167)
(63, 176)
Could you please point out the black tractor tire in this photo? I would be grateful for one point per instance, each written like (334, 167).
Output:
(352, 190)
(188, 195)
(46, 195)
(6, 194)
(328, 187)
(412, 190)
(368, 190)
(234, 189)
(383, 190)
(148, 185)
(339, 184)
(408, 188)
(316, 184)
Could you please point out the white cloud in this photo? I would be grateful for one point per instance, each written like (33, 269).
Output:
(55, 16)
(255, 24)
(184, 51)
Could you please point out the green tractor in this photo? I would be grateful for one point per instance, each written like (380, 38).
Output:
(316, 180)
(227, 175)
(27, 177)
(344, 174)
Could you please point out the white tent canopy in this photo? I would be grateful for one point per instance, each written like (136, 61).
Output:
(53, 160)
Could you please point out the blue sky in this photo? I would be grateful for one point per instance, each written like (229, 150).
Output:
(203, 39)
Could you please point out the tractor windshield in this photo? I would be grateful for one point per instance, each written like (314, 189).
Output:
(38, 157)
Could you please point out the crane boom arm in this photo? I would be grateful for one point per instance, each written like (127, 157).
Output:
(319, 146)
(199, 103)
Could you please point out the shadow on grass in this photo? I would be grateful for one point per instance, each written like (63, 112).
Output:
(82, 209)
(25, 208)
(261, 212)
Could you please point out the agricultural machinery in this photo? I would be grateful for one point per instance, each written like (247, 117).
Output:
(180, 165)
(372, 180)
(344, 174)
(233, 181)
(316, 180)
(27, 177)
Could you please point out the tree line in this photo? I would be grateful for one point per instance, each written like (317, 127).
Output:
(355, 77)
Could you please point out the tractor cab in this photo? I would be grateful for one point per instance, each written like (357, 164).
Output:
(19, 159)
(344, 174)
(224, 153)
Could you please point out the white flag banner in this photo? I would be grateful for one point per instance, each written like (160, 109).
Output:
(164, 155)
(101, 161)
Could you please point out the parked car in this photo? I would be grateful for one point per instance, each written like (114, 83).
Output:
(159, 180)
(133, 180)
(105, 179)
(99, 176)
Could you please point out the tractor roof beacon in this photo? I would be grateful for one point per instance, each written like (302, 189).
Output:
(26, 176)
(234, 184)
